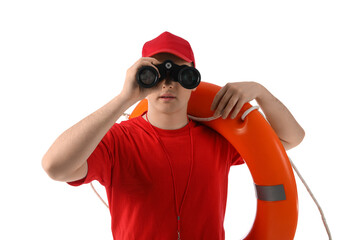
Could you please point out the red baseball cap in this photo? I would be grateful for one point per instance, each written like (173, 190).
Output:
(170, 43)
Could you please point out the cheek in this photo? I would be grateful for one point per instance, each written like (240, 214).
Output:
(186, 94)
(152, 96)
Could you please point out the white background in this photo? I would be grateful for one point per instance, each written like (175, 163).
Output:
(62, 60)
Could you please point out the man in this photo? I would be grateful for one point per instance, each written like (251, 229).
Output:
(166, 176)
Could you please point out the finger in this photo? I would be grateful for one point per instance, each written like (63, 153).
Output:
(231, 103)
(238, 108)
(152, 60)
(217, 97)
(222, 104)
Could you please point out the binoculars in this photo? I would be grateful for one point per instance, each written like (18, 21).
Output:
(188, 77)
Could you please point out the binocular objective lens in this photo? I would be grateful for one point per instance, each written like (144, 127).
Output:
(147, 76)
(189, 78)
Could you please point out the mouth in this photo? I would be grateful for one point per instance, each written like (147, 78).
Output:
(167, 98)
(167, 95)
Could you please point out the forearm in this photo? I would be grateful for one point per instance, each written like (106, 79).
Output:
(73, 147)
(280, 118)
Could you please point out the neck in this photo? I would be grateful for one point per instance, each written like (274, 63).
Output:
(167, 121)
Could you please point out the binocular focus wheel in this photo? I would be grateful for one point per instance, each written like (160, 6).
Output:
(168, 65)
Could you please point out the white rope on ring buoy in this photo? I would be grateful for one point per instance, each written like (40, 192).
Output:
(244, 115)
(314, 199)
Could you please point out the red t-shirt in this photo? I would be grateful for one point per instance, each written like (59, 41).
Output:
(132, 166)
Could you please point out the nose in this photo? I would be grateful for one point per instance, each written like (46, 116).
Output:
(167, 82)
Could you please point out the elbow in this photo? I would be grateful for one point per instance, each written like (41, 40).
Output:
(58, 169)
(300, 136)
(49, 168)
(295, 141)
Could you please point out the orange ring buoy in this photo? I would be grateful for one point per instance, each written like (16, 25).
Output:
(266, 158)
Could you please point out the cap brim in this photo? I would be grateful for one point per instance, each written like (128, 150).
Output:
(172, 51)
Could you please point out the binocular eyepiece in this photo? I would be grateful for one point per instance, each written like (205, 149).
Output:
(188, 77)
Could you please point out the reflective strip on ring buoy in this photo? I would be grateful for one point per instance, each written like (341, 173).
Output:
(266, 158)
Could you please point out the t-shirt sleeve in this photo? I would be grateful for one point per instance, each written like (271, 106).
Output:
(100, 162)
(236, 158)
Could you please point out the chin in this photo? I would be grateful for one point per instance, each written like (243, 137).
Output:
(168, 109)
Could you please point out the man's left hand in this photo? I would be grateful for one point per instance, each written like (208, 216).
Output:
(234, 96)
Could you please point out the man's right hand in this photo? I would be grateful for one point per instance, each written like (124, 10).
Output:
(131, 89)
